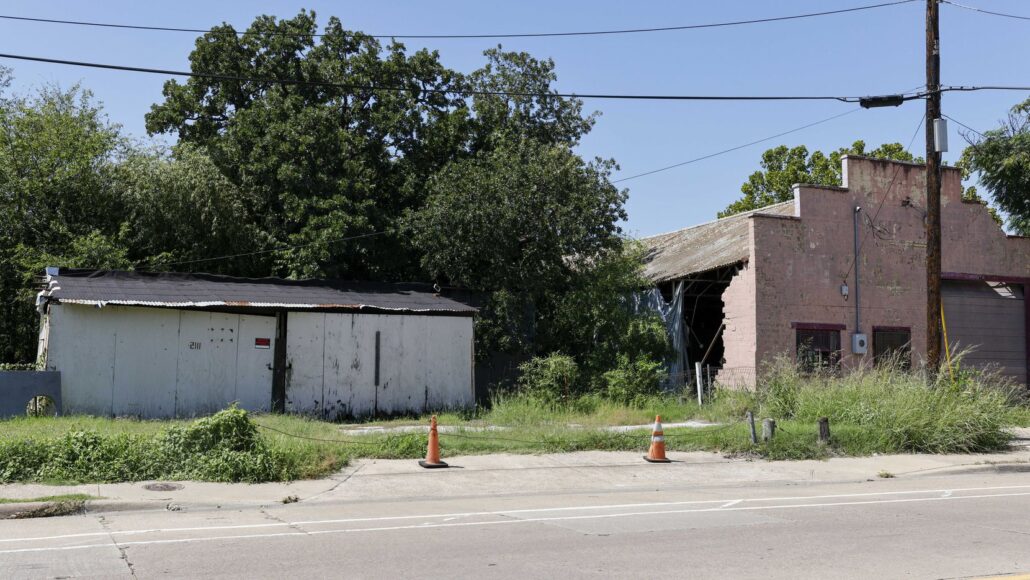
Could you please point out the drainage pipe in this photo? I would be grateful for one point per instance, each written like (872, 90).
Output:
(858, 286)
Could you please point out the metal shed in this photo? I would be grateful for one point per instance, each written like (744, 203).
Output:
(174, 345)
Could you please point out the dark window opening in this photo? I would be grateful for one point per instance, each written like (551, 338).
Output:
(818, 349)
(892, 346)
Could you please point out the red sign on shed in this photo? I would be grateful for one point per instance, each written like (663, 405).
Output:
(262, 343)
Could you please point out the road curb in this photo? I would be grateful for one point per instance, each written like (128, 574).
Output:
(40, 509)
(993, 467)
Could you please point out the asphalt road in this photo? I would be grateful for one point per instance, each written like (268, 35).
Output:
(932, 527)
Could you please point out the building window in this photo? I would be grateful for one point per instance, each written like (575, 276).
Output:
(892, 345)
(817, 347)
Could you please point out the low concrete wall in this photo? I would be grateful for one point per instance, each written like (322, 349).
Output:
(17, 388)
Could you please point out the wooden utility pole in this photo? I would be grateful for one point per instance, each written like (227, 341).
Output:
(933, 190)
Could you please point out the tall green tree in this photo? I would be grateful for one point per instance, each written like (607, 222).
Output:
(1001, 160)
(782, 167)
(180, 211)
(57, 202)
(328, 157)
(518, 222)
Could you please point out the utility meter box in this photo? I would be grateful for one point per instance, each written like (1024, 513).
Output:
(859, 343)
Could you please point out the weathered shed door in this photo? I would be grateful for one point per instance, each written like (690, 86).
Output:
(990, 318)
(349, 365)
(305, 356)
(254, 362)
(206, 377)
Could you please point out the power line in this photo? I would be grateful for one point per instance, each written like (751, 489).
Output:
(737, 148)
(455, 91)
(470, 36)
(984, 88)
(278, 249)
(321, 439)
(949, 117)
(982, 11)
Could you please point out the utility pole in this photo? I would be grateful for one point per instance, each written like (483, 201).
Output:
(933, 189)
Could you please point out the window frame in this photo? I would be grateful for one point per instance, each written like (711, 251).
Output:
(894, 329)
(835, 356)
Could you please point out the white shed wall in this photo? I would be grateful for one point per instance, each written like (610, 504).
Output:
(425, 363)
(157, 362)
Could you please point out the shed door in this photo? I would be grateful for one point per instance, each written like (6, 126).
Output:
(254, 362)
(989, 317)
(305, 359)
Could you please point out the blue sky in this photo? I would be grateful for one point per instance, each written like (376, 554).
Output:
(871, 52)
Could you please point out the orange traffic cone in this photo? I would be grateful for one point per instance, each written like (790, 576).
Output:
(656, 454)
(432, 460)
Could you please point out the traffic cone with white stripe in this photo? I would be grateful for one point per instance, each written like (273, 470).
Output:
(432, 459)
(656, 454)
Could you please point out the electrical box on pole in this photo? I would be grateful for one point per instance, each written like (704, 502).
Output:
(940, 135)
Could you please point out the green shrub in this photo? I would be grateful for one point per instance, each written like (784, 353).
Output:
(634, 382)
(230, 429)
(646, 338)
(223, 447)
(18, 366)
(553, 378)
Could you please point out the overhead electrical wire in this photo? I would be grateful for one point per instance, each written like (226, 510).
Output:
(472, 36)
(453, 91)
(276, 249)
(982, 11)
(756, 142)
(949, 117)
(737, 148)
(480, 92)
(963, 89)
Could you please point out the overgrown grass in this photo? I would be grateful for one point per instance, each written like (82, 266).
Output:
(872, 411)
(893, 411)
(50, 498)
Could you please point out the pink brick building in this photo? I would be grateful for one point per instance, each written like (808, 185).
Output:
(768, 283)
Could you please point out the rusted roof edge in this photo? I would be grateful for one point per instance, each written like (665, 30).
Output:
(468, 311)
(702, 271)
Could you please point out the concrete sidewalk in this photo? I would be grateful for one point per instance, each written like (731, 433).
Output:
(487, 475)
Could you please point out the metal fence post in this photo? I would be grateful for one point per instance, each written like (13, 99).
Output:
(749, 417)
(700, 384)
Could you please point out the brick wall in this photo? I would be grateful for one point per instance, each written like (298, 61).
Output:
(798, 263)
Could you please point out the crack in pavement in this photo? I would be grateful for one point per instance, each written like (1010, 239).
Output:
(122, 550)
(338, 484)
(291, 525)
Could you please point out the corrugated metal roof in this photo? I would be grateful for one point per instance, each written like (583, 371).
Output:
(703, 247)
(99, 287)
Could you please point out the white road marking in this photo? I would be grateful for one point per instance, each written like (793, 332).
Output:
(731, 503)
(509, 512)
(507, 521)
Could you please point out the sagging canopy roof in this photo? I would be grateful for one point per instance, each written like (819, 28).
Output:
(210, 291)
(703, 247)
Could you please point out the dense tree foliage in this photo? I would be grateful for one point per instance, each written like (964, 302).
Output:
(57, 200)
(370, 162)
(1001, 159)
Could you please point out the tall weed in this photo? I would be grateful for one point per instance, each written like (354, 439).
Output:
(902, 409)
